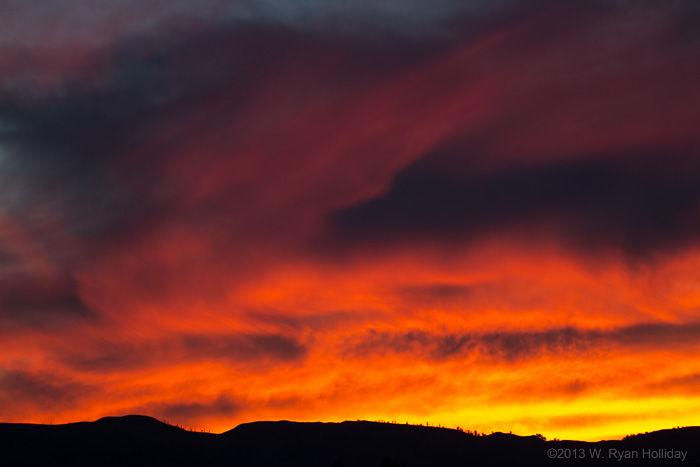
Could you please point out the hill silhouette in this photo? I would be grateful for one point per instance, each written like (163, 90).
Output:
(144, 441)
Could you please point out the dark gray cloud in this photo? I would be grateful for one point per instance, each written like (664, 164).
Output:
(412, 18)
(82, 165)
(516, 346)
(91, 152)
(25, 391)
(64, 191)
(114, 357)
(520, 295)
(103, 21)
(86, 165)
(235, 349)
(438, 292)
(639, 203)
(32, 290)
(26, 299)
(61, 150)
(246, 347)
(188, 412)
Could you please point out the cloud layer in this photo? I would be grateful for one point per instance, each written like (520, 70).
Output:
(228, 211)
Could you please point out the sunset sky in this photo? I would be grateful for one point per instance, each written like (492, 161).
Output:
(475, 213)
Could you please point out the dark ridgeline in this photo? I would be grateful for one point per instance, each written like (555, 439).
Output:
(144, 441)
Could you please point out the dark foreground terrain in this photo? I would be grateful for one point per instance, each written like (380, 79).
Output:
(140, 441)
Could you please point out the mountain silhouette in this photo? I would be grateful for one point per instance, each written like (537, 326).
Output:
(136, 440)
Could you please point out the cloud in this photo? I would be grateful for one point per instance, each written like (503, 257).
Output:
(677, 384)
(186, 412)
(638, 203)
(416, 18)
(63, 150)
(148, 145)
(234, 349)
(521, 295)
(189, 150)
(23, 392)
(104, 21)
(28, 300)
(35, 288)
(517, 346)
(177, 178)
(247, 347)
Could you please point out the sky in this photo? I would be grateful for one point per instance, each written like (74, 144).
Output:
(471, 213)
